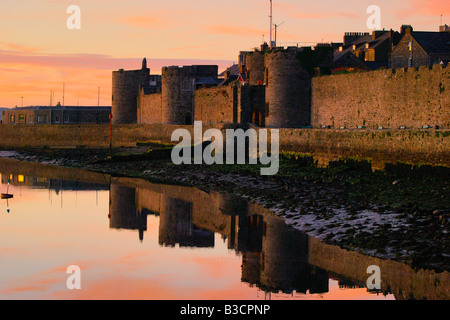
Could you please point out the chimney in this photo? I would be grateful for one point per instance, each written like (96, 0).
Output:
(227, 74)
(349, 37)
(406, 29)
(264, 47)
(377, 33)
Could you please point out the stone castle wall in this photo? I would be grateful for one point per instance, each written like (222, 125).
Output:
(215, 105)
(411, 98)
(252, 101)
(416, 146)
(149, 108)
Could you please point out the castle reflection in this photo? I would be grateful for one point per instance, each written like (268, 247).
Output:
(274, 256)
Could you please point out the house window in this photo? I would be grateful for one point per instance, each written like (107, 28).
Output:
(22, 118)
(42, 118)
(66, 118)
(186, 85)
(11, 118)
(57, 119)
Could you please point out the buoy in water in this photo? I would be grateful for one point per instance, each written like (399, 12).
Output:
(7, 195)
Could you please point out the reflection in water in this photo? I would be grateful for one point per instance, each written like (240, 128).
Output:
(274, 258)
(122, 210)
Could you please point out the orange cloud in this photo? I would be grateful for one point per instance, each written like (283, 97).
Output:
(432, 7)
(34, 75)
(18, 47)
(236, 31)
(141, 21)
(421, 8)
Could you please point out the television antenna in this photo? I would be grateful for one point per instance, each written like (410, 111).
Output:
(271, 24)
(276, 28)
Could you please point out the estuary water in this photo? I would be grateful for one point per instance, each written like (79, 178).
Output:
(132, 239)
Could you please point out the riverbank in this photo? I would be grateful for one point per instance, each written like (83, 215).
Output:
(400, 213)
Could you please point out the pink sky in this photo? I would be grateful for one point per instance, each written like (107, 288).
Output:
(38, 53)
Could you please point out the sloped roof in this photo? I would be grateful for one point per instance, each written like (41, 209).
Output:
(206, 81)
(433, 42)
(234, 70)
(230, 79)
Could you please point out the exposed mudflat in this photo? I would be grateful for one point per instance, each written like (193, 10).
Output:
(401, 213)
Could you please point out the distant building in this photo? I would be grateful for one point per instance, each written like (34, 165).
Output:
(231, 74)
(421, 48)
(366, 51)
(56, 115)
(154, 85)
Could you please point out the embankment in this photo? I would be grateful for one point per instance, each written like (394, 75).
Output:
(417, 146)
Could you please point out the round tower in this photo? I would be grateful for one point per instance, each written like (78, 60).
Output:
(285, 255)
(123, 213)
(125, 89)
(122, 209)
(255, 68)
(288, 91)
(177, 95)
(175, 222)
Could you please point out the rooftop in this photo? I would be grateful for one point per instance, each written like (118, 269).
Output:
(433, 42)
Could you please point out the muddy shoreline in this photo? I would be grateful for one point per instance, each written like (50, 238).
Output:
(400, 213)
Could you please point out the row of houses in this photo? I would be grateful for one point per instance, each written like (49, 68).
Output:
(392, 49)
(56, 115)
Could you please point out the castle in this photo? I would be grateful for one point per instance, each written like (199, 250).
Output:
(294, 87)
(274, 91)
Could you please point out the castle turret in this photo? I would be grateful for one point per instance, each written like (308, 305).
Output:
(178, 88)
(178, 85)
(125, 89)
(255, 68)
(288, 91)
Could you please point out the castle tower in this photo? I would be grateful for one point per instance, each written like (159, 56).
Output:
(288, 91)
(125, 90)
(178, 89)
(255, 68)
(178, 86)
(122, 210)
(285, 252)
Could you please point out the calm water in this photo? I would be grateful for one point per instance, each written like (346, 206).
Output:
(137, 240)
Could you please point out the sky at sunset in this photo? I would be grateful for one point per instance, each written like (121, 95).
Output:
(38, 53)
